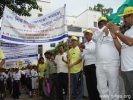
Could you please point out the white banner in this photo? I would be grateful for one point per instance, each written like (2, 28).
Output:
(49, 28)
(15, 52)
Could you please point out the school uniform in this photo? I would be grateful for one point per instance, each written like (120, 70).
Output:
(16, 83)
(29, 82)
(9, 81)
(22, 76)
(26, 77)
(2, 86)
(34, 78)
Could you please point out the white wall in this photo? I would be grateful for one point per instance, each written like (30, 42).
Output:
(44, 4)
(82, 19)
(72, 20)
(93, 17)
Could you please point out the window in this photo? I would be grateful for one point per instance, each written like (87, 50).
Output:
(40, 50)
(69, 38)
(74, 29)
(40, 15)
(52, 45)
(95, 24)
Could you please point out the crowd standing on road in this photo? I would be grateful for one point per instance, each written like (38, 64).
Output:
(106, 56)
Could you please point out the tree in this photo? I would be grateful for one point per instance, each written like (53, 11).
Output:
(100, 7)
(21, 7)
(55, 50)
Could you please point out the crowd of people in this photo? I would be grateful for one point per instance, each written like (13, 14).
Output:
(103, 58)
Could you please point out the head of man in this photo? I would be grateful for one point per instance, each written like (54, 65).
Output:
(70, 45)
(102, 21)
(35, 67)
(48, 55)
(128, 16)
(88, 35)
(74, 41)
(61, 49)
(17, 69)
(41, 60)
(52, 53)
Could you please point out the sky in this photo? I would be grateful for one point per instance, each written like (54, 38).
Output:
(75, 7)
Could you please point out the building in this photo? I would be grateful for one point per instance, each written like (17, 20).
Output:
(75, 24)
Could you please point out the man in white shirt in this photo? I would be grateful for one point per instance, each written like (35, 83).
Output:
(107, 62)
(126, 48)
(88, 54)
(62, 70)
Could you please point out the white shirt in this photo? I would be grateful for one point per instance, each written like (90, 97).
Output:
(10, 74)
(127, 53)
(61, 66)
(16, 76)
(106, 51)
(34, 73)
(22, 72)
(88, 53)
(3, 75)
(26, 71)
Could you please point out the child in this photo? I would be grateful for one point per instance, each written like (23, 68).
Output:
(2, 86)
(16, 83)
(34, 79)
(30, 81)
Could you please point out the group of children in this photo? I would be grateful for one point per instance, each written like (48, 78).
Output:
(14, 79)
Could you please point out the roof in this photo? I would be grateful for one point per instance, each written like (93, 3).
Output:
(83, 12)
(46, 1)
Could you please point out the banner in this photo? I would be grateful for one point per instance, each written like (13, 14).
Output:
(19, 55)
(44, 29)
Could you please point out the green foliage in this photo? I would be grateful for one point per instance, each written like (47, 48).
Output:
(55, 50)
(21, 7)
(105, 11)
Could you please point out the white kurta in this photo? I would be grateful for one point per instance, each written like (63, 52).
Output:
(107, 65)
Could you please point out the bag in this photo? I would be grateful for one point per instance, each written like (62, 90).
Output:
(48, 87)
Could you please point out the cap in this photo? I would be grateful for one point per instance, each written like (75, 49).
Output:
(88, 31)
(127, 11)
(102, 18)
(74, 38)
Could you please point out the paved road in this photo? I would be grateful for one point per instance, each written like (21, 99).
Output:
(24, 96)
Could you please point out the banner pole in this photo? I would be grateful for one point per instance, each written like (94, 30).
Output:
(117, 14)
(69, 96)
(37, 71)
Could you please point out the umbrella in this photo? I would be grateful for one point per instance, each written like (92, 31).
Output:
(116, 19)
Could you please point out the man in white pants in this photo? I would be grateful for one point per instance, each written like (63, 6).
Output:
(107, 62)
(126, 48)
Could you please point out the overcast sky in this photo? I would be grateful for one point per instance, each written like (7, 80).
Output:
(75, 7)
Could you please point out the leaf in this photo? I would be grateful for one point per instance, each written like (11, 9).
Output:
(21, 7)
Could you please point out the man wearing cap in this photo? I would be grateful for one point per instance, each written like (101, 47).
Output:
(126, 48)
(2, 58)
(88, 54)
(75, 68)
(107, 62)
